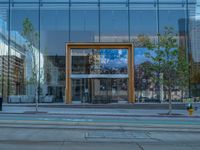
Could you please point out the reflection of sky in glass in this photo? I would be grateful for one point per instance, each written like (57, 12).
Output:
(114, 58)
(140, 55)
(14, 35)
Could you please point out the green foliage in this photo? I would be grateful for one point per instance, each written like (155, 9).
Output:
(166, 58)
(31, 37)
(29, 33)
(32, 43)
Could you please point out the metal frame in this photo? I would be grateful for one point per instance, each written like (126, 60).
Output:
(129, 46)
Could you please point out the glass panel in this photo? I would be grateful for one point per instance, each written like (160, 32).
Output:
(114, 23)
(25, 1)
(194, 53)
(85, 1)
(3, 51)
(84, 23)
(99, 76)
(55, 1)
(143, 20)
(142, 1)
(192, 1)
(24, 53)
(172, 1)
(172, 16)
(104, 61)
(100, 90)
(113, 1)
(54, 35)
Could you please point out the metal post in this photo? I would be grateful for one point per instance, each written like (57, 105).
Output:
(1, 101)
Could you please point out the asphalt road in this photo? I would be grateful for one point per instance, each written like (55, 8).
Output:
(45, 118)
(62, 121)
(59, 132)
(95, 146)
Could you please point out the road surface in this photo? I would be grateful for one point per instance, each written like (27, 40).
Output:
(77, 132)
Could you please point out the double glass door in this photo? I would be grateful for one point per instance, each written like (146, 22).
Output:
(100, 90)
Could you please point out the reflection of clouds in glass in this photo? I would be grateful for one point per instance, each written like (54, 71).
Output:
(114, 58)
(120, 52)
(119, 58)
(122, 63)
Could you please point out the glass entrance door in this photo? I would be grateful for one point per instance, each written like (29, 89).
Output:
(80, 90)
(100, 90)
(110, 90)
(99, 75)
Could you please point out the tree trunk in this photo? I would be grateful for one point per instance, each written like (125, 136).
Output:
(35, 79)
(170, 101)
(182, 92)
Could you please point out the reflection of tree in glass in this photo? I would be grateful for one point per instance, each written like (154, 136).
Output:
(142, 77)
(166, 62)
(31, 37)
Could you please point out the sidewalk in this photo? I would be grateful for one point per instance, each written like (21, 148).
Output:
(97, 111)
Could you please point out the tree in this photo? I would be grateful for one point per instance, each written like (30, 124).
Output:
(31, 37)
(142, 77)
(167, 66)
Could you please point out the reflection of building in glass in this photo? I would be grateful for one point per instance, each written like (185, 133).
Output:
(104, 61)
(99, 76)
(53, 81)
(76, 21)
(16, 66)
(99, 90)
(12, 64)
(194, 30)
(194, 46)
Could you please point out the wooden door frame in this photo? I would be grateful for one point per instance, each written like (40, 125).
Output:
(129, 46)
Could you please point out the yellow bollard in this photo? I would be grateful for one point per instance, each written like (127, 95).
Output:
(190, 112)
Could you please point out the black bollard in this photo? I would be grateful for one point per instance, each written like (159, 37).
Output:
(1, 101)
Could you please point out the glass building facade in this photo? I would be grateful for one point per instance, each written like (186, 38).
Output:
(34, 34)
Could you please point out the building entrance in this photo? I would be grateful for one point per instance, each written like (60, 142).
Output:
(99, 73)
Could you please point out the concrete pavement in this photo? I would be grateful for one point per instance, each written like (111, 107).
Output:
(95, 129)
(96, 111)
(95, 146)
(113, 123)
(85, 135)
(42, 139)
(68, 146)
